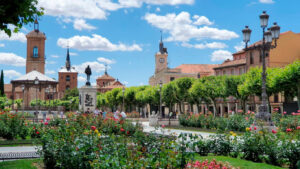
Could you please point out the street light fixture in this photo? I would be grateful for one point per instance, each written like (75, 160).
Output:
(36, 82)
(268, 37)
(160, 104)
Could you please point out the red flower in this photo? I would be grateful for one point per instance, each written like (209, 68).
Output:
(163, 126)
(254, 128)
(298, 127)
(128, 132)
(46, 123)
(37, 132)
(289, 130)
(284, 112)
(93, 128)
(274, 131)
(293, 113)
(122, 130)
(250, 128)
(48, 119)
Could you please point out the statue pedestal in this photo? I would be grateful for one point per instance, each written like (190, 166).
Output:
(87, 98)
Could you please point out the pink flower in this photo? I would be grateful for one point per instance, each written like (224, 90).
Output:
(289, 130)
(249, 111)
(48, 119)
(298, 127)
(284, 112)
(253, 112)
(254, 128)
(293, 113)
(298, 111)
(163, 126)
(46, 123)
(122, 129)
(246, 118)
(274, 131)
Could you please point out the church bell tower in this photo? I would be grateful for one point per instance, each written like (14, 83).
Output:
(35, 59)
(161, 57)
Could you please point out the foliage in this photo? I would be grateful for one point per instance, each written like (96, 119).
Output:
(18, 13)
(2, 84)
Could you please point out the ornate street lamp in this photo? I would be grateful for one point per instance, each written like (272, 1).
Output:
(268, 37)
(123, 91)
(160, 104)
(36, 82)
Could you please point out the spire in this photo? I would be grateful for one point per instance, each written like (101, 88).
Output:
(36, 25)
(68, 62)
(105, 69)
(161, 44)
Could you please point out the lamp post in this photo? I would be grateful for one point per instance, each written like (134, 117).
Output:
(267, 39)
(23, 88)
(160, 104)
(123, 91)
(36, 82)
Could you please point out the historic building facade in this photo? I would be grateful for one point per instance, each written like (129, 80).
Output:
(286, 52)
(106, 83)
(67, 77)
(165, 74)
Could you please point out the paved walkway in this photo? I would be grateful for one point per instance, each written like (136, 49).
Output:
(18, 149)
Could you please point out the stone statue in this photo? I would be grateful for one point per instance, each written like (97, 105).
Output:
(88, 73)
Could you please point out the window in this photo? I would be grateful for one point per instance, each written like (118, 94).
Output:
(68, 78)
(35, 52)
(260, 57)
(198, 76)
(172, 78)
(251, 58)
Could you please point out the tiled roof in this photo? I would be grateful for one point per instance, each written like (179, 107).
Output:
(228, 63)
(36, 34)
(106, 76)
(197, 68)
(32, 75)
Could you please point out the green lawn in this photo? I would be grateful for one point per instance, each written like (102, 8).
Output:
(20, 164)
(243, 164)
(197, 129)
(18, 142)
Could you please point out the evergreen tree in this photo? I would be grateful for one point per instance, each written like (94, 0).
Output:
(2, 84)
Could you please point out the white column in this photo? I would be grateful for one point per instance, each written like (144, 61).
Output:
(228, 105)
(222, 109)
(236, 107)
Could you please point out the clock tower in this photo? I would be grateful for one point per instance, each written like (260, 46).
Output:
(161, 58)
(35, 50)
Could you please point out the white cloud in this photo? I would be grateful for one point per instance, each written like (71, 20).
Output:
(11, 73)
(50, 72)
(266, 1)
(95, 67)
(2, 44)
(73, 54)
(201, 20)
(125, 82)
(157, 9)
(105, 60)
(81, 79)
(182, 28)
(220, 55)
(95, 43)
(213, 45)
(12, 59)
(50, 62)
(80, 24)
(14, 36)
(55, 56)
(239, 46)
(88, 9)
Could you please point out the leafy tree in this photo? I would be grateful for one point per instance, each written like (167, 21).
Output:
(2, 84)
(101, 101)
(169, 94)
(197, 94)
(152, 96)
(289, 80)
(182, 87)
(113, 99)
(70, 93)
(18, 13)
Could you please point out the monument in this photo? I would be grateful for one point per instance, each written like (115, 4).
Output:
(88, 94)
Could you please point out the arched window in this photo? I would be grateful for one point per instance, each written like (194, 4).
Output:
(35, 52)
(68, 78)
(251, 58)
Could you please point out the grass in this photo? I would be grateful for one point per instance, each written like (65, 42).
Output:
(21, 164)
(18, 142)
(235, 162)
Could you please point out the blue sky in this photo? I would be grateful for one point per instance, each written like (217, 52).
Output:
(125, 34)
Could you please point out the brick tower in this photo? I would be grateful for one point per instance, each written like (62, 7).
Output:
(161, 58)
(35, 50)
(67, 77)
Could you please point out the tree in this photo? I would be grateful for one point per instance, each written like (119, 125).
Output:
(18, 13)
(70, 93)
(2, 84)
(152, 96)
(112, 98)
(168, 95)
(182, 87)
(130, 97)
(197, 94)
(289, 80)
